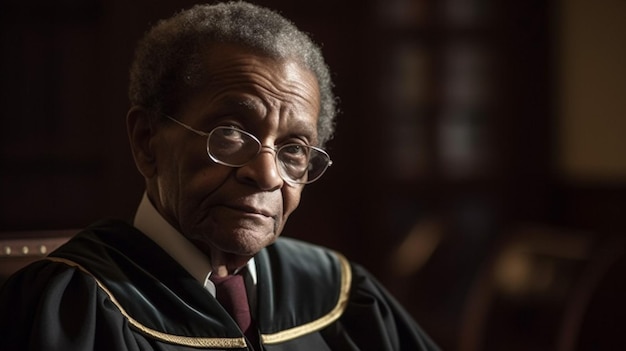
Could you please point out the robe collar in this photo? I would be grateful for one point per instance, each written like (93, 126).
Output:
(150, 222)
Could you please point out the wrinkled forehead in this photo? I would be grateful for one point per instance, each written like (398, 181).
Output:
(233, 67)
(238, 81)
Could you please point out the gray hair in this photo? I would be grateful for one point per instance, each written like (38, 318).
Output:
(168, 59)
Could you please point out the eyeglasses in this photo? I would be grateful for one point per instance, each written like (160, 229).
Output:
(233, 147)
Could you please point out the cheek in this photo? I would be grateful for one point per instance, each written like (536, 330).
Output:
(291, 198)
(197, 192)
(201, 183)
(186, 182)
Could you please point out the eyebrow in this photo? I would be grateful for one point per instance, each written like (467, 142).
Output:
(237, 102)
(232, 105)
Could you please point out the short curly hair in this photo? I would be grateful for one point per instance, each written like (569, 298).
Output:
(168, 59)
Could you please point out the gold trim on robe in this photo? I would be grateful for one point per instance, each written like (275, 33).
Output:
(333, 315)
(199, 342)
(275, 338)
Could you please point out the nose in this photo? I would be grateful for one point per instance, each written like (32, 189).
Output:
(261, 171)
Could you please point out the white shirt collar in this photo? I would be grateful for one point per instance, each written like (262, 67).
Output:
(149, 221)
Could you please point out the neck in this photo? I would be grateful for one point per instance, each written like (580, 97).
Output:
(223, 263)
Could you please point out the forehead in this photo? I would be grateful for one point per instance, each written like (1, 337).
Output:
(232, 67)
(236, 78)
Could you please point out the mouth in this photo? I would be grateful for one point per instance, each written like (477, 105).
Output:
(249, 210)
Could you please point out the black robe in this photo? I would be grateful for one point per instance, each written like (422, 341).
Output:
(112, 288)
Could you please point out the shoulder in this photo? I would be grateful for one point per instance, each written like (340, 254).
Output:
(103, 235)
(51, 272)
(301, 288)
(50, 300)
(298, 252)
(310, 265)
(304, 262)
(61, 274)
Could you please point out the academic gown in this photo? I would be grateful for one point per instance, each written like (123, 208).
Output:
(112, 288)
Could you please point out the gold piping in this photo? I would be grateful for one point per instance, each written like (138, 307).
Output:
(333, 315)
(197, 342)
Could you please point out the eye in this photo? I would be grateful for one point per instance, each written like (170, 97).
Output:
(294, 150)
(231, 146)
(294, 155)
(230, 133)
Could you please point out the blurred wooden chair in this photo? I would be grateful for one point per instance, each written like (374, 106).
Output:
(595, 315)
(522, 293)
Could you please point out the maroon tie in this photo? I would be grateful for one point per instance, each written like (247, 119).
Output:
(230, 291)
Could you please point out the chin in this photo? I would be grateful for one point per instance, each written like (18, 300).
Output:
(247, 243)
(242, 243)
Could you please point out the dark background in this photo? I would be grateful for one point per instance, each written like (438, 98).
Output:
(457, 180)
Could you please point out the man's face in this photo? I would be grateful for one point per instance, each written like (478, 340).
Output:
(235, 210)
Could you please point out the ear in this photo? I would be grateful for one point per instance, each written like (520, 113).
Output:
(140, 134)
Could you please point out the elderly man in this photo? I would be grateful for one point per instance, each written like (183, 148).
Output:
(231, 106)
